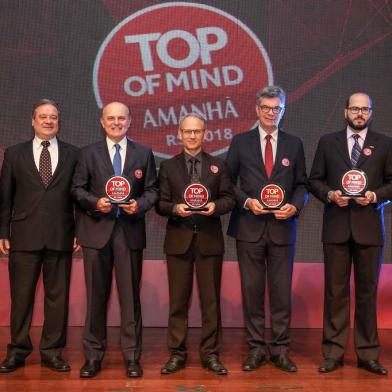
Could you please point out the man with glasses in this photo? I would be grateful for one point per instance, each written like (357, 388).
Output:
(194, 238)
(353, 233)
(266, 237)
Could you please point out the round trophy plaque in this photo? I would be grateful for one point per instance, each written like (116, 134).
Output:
(354, 183)
(196, 196)
(272, 196)
(118, 189)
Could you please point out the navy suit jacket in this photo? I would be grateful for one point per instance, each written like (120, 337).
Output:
(246, 167)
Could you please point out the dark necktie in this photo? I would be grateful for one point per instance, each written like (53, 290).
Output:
(45, 163)
(268, 157)
(356, 151)
(193, 169)
(117, 161)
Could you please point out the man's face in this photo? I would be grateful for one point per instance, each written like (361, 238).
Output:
(115, 121)
(45, 122)
(192, 135)
(358, 114)
(269, 111)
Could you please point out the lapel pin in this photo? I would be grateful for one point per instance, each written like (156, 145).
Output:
(285, 162)
(138, 174)
(214, 169)
(367, 151)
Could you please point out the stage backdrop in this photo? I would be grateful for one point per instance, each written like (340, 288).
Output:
(165, 59)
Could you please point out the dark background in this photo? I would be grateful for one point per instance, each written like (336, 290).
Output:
(320, 51)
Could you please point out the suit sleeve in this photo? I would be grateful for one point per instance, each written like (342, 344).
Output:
(165, 204)
(384, 193)
(7, 186)
(318, 174)
(233, 165)
(226, 198)
(300, 194)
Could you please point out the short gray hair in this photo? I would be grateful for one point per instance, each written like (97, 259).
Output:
(195, 115)
(272, 92)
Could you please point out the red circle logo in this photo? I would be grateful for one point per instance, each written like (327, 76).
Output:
(196, 196)
(354, 182)
(272, 196)
(118, 189)
(202, 60)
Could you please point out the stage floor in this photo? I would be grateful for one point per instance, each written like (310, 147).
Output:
(305, 350)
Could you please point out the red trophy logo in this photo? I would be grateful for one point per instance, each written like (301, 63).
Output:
(354, 183)
(118, 189)
(196, 196)
(272, 196)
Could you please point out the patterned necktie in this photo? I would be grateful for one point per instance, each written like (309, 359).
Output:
(356, 151)
(193, 169)
(45, 163)
(268, 157)
(117, 160)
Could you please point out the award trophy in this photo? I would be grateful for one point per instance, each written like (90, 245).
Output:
(354, 183)
(118, 189)
(272, 196)
(196, 196)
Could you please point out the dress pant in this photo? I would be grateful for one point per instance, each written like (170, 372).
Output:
(208, 274)
(98, 267)
(338, 259)
(259, 262)
(24, 271)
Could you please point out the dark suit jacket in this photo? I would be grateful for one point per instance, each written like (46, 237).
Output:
(332, 159)
(173, 178)
(30, 215)
(245, 163)
(91, 174)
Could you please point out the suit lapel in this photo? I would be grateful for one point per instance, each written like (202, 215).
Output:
(129, 157)
(62, 154)
(102, 150)
(370, 143)
(341, 147)
(256, 150)
(28, 157)
(281, 151)
(205, 168)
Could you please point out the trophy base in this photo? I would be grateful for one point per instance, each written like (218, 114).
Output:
(115, 203)
(195, 209)
(271, 208)
(356, 195)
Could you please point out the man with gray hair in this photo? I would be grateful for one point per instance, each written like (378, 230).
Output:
(265, 236)
(194, 237)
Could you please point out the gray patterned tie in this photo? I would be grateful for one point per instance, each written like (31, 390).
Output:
(45, 164)
(356, 151)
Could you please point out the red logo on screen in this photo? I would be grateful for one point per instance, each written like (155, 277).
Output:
(174, 58)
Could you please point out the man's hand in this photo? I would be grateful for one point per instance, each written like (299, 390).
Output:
(365, 200)
(255, 206)
(210, 209)
(130, 208)
(104, 205)
(5, 246)
(337, 198)
(76, 246)
(285, 212)
(181, 210)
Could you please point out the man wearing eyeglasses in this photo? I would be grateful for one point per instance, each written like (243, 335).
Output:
(266, 238)
(353, 233)
(194, 238)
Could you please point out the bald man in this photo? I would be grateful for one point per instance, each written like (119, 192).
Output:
(353, 233)
(113, 235)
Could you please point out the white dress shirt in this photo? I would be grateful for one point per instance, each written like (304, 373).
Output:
(263, 141)
(53, 152)
(112, 150)
(350, 140)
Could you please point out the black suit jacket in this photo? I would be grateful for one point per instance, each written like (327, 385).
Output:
(173, 178)
(93, 169)
(245, 163)
(332, 159)
(32, 216)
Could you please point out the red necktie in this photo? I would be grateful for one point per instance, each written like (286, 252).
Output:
(268, 157)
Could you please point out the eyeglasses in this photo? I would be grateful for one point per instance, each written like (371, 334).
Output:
(356, 109)
(188, 132)
(267, 109)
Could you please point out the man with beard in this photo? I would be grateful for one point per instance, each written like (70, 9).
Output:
(353, 233)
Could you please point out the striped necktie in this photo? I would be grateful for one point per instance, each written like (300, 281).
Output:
(356, 151)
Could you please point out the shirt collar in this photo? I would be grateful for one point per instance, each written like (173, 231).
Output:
(37, 141)
(122, 143)
(188, 156)
(362, 134)
(263, 134)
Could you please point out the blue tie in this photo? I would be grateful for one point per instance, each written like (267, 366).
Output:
(356, 151)
(117, 161)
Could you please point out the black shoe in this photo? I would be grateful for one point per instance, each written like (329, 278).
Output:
(10, 365)
(253, 361)
(174, 364)
(329, 365)
(134, 369)
(90, 369)
(56, 364)
(215, 365)
(373, 366)
(283, 362)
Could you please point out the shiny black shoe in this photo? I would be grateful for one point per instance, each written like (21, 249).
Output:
(329, 365)
(214, 365)
(373, 366)
(57, 364)
(90, 369)
(174, 364)
(10, 365)
(134, 369)
(253, 361)
(283, 362)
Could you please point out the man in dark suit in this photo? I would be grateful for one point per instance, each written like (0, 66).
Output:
(37, 231)
(266, 238)
(353, 233)
(194, 238)
(111, 235)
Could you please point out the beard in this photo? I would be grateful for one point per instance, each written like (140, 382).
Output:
(358, 127)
